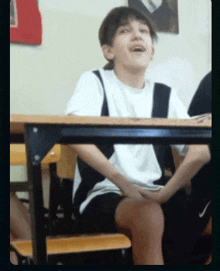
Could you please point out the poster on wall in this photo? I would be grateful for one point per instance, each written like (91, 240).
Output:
(25, 22)
(162, 13)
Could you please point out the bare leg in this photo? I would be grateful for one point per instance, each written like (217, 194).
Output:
(13, 256)
(19, 223)
(209, 260)
(143, 222)
(208, 231)
(19, 218)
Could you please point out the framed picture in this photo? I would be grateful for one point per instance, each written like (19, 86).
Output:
(25, 22)
(13, 14)
(162, 13)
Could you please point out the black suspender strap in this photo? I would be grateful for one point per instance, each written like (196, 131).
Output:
(161, 101)
(104, 111)
(160, 110)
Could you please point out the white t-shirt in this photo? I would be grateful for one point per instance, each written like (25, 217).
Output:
(137, 162)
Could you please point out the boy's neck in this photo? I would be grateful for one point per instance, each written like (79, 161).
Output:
(133, 78)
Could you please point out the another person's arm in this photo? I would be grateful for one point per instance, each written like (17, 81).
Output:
(19, 218)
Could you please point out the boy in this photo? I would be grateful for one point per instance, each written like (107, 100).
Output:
(116, 187)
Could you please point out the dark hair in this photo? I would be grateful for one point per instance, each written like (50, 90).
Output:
(116, 18)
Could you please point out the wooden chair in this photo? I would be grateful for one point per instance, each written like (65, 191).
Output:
(18, 157)
(65, 160)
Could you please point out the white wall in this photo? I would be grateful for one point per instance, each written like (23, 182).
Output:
(183, 60)
(42, 78)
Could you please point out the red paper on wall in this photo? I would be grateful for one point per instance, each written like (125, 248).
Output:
(25, 22)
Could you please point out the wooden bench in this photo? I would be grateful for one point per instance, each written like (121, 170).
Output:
(76, 243)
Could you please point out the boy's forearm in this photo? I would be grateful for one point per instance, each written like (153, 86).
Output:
(91, 155)
(196, 157)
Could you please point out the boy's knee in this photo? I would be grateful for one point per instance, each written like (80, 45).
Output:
(145, 214)
(149, 213)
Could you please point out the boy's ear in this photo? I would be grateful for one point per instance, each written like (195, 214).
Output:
(107, 52)
(153, 52)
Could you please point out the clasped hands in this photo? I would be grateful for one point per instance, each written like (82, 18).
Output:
(158, 195)
(139, 192)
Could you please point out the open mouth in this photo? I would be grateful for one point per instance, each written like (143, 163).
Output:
(138, 49)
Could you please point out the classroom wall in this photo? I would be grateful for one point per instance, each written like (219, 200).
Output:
(42, 78)
(181, 61)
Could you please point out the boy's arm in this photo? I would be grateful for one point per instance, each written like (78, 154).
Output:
(91, 155)
(197, 156)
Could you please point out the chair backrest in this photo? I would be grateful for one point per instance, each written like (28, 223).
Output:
(64, 156)
(67, 163)
(18, 155)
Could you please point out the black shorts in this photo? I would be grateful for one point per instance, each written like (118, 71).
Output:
(99, 214)
(183, 226)
(186, 216)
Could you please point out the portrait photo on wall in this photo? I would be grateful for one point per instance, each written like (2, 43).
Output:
(162, 13)
(13, 14)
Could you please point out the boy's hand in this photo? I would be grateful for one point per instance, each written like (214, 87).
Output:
(155, 195)
(203, 118)
(133, 192)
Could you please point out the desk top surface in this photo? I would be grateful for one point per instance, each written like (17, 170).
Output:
(17, 122)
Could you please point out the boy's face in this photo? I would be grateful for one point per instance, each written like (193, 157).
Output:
(132, 46)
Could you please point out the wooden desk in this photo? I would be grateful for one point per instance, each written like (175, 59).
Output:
(40, 133)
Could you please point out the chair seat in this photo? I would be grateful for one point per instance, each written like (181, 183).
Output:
(76, 243)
